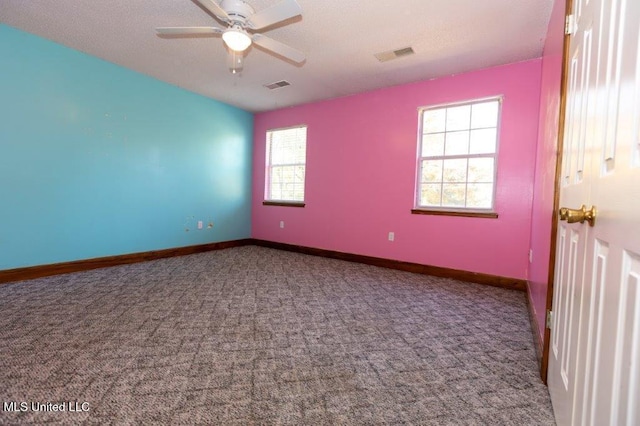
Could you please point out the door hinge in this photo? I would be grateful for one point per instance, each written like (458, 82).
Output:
(570, 25)
(549, 323)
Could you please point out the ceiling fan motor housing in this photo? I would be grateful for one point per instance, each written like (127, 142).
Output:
(238, 10)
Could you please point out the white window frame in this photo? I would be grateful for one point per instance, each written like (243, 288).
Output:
(450, 210)
(268, 198)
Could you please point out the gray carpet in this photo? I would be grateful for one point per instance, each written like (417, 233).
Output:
(255, 336)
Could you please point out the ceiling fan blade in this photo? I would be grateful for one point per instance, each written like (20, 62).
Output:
(214, 8)
(279, 12)
(279, 48)
(188, 30)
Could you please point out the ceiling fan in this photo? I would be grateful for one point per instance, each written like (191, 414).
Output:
(242, 23)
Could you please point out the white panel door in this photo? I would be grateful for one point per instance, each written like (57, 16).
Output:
(572, 238)
(594, 360)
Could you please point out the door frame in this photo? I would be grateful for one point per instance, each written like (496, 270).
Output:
(544, 363)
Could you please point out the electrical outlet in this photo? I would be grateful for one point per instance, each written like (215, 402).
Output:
(282, 224)
(392, 236)
(530, 255)
(199, 224)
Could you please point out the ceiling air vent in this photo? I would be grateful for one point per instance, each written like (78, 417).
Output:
(394, 54)
(277, 84)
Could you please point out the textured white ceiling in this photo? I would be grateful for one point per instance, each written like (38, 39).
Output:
(339, 37)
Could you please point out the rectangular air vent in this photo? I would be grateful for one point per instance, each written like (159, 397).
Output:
(394, 54)
(277, 84)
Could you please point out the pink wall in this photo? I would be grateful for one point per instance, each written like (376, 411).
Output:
(361, 161)
(544, 183)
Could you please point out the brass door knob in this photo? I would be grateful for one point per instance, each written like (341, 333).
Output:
(579, 215)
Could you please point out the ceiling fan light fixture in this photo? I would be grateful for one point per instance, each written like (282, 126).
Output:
(236, 39)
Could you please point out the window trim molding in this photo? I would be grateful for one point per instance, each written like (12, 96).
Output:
(458, 211)
(267, 175)
(462, 103)
(283, 203)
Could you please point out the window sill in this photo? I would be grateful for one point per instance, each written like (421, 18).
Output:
(486, 215)
(283, 203)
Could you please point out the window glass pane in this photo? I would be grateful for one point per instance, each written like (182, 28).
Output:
(430, 194)
(483, 141)
(480, 170)
(277, 155)
(286, 164)
(287, 191)
(433, 120)
(300, 151)
(455, 170)
(276, 174)
(457, 143)
(287, 174)
(288, 152)
(431, 171)
(292, 152)
(479, 195)
(484, 114)
(299, 174)
(298, 192)
(458, 118)
(453, 195)
(433, 145)
(275, 191)
(287, 146)
(458, 155)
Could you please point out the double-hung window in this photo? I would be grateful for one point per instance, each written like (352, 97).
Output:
(285, 168)
(457, 158)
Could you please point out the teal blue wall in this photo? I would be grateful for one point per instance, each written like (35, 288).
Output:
(97, 160)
